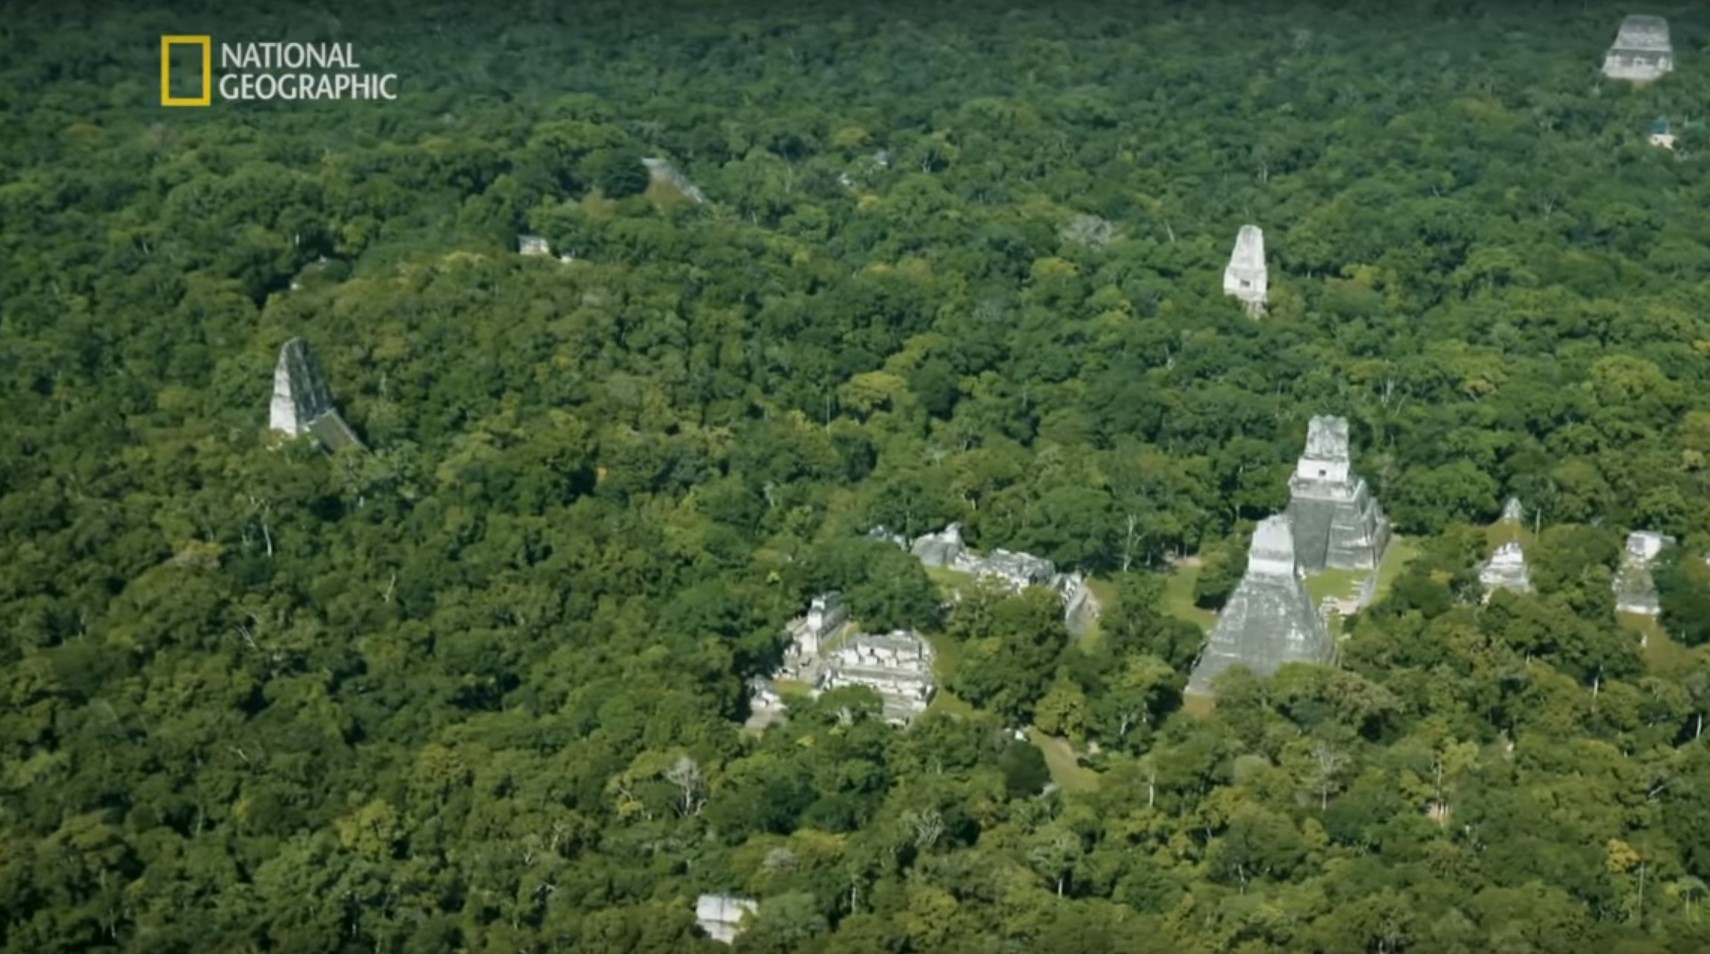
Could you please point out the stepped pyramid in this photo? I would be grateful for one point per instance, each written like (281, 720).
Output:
(1246, 276)
(1641, 52)
(1635, 588)
(302, 402)
(1269, 619)
(1506, 570)
(1337, 523)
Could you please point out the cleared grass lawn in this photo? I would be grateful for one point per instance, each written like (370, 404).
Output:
(1178, 598)
(1069, 774)
(1396, 556)
(1345, 584)
(1342, 584)
(949, 703)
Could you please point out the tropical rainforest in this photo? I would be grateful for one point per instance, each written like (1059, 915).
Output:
(480, 683)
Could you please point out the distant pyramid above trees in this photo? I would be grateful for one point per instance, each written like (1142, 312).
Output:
(302, 401)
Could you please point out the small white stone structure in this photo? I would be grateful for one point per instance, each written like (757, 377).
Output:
(1269, 620)
(661, 170)
(1336, 522)
(1642, 52)
(720, 915)
(302, 403)
(1246, 276)
(1635, 590)
(1506, 570)
(533, 245)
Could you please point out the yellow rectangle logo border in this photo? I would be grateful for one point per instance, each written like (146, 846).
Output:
(166, 45)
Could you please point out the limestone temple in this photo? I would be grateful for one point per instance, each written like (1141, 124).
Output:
(825, 654)
(661, 170)
(302, 402)
(1269, 619)
(896, 665)
(1506, 570)
(1014, 571)
(1635, 590)
(1642, 52)
(720, 915)
(1336, 522)
(1246, 277)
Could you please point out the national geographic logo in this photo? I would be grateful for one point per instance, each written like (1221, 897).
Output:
(272, 71)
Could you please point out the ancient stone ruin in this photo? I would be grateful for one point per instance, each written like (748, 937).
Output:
(896, 665)
(1635, 590)
(1246, 277)
(1336, 522)
(1513, 511)
(302, 402)
(823, 654)
(1090, 231)
(1506, 570)
(1642, 52)
(1014, 571)
(720, 915)
(533, 245)
(1269, 620)
(663, 171)
(1661, 135)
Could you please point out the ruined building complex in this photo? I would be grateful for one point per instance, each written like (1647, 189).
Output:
(1014, 571)
(302, 402)
(1269, 619)
(1642, 52)
(1635, 590)
(1336, 522)
(661, 170)
(824, 654)
(1246, 277)
(896, 665)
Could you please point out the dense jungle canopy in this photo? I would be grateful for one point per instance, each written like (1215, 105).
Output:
(480, 687)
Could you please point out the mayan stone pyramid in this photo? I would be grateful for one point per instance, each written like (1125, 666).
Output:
(1337, 523)
(1269, 620)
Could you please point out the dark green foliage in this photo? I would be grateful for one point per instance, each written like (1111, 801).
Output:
(1024, 770)
(1683, 590)
(478, 689)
